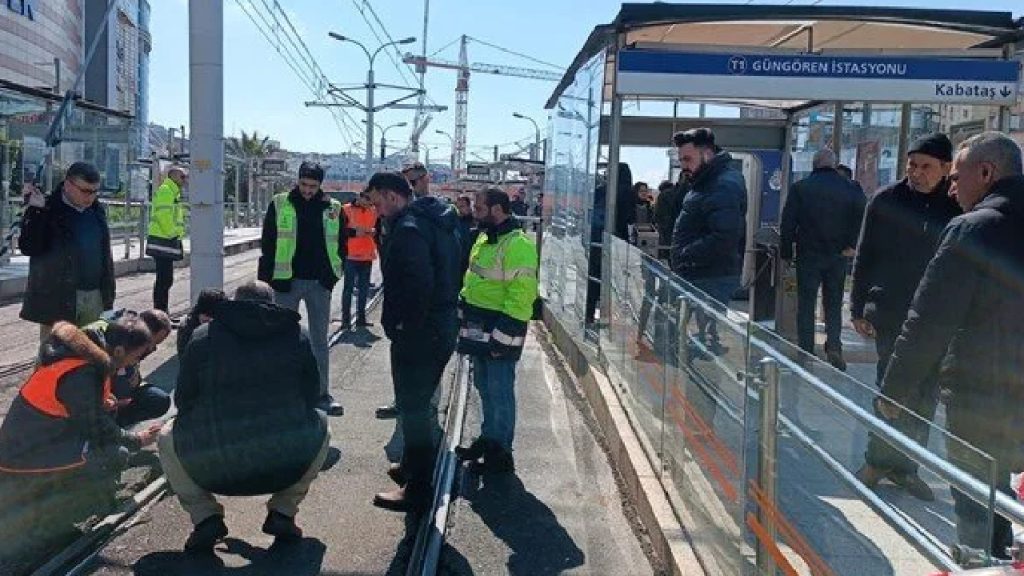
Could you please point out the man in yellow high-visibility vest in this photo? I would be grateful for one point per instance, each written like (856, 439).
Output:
(166, 225)
(496, 304)
(303, 250)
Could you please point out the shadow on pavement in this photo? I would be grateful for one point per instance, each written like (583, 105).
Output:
(360, 338)
(298, 559)
(539, 544)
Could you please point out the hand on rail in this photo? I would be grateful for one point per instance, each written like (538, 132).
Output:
(863, 327)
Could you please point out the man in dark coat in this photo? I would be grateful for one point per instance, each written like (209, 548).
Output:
(901, 229)
(711, 222)
(422, 265)
(822, 217)
(966, 316)
(666, 210)
(248, 423)
(67, 240)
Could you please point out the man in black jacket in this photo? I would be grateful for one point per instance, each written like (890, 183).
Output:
(967, 316)
(67, 240)
(247, 422)
(822, 217)
(419, 316)
(303, 250)
(901, 228)
(711, 222)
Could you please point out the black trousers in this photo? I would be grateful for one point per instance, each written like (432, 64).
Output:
(148, 402)
(881, 454)
(828, 272)
(416, 370)
(164, 281)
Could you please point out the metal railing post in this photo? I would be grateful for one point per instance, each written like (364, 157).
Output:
(768, 458)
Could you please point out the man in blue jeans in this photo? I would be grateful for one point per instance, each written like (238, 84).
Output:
(360, 252)
(496, 303)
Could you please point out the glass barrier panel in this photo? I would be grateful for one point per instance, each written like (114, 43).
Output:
(825, 512)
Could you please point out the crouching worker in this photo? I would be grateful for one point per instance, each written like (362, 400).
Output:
(247, 422)
(61, 451)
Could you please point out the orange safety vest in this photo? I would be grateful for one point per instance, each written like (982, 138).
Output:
(360, 248)
(41, 389)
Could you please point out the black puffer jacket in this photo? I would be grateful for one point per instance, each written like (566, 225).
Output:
(666, 211)
(900, 231)
(46, 238)
(711, 223)
(967, 314)
(422, 275)
(822, 216)
(246, 395)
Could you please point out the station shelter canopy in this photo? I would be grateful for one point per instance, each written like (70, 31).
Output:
(799, 29)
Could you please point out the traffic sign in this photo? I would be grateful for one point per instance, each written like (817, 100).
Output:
(814, 77)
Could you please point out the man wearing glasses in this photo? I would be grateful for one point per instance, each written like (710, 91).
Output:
(67, 239)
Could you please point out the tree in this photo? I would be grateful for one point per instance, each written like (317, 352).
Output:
(249, 147)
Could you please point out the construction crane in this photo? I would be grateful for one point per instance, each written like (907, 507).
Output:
(463, 67)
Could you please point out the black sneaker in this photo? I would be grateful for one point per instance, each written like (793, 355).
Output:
(330, 407)
(206, 534)
(345, 325)
(835, 358)
(389, 412)
(363, 324)
(473, 452)
(281, 527)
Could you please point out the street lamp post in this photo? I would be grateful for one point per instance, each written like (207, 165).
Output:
(536, 129)
(452, 140)
(383, 138)
(370, 88)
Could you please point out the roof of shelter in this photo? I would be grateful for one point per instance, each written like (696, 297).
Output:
(863, 29)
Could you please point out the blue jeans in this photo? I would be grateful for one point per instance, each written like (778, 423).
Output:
(357, 275)
(495, 380)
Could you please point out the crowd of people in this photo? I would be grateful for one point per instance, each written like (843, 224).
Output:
(251, 399)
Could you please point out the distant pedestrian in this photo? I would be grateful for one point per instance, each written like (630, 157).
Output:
(248, 422)
(468, 229)
(200, 314)
(67, 239)
(360, 252)
(518, 205)
(710, 226)
(303, 250)
(822, 218)
(624, 215)
(644, 206)
(966, 317)
(421, 284)
(497, 304)
(666, 210)
(166, 232)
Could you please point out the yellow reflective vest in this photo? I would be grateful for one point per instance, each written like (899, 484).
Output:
(166, 213)
(498, 292)
(286, 236)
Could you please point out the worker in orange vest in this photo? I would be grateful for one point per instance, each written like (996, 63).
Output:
(361, 251)
(61, 450)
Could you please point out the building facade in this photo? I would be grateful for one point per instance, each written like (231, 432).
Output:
(41, 42)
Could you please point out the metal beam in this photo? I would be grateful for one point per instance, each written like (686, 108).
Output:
(730, 133)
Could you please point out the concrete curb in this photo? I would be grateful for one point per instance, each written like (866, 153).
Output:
(669, 538)
(13, 289)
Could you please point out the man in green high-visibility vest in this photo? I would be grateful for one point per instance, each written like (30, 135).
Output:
(303, 250)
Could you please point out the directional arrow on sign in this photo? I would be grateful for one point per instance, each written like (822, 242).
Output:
(1005, 92)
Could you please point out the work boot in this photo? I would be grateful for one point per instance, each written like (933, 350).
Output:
(396, 474)
(330, 407)
(497, 460)
(913, 484)
(403, 500)
(281, 527)
(475, 451)
(389, 412)
(870, 475)
(835, 358)
(206, 534)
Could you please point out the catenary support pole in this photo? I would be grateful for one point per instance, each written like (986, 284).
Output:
(206, 117)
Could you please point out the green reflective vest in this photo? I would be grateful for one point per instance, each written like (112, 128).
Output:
(502, 277)
(287, 230)
(166, 213)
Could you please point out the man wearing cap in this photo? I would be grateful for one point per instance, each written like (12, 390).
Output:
(901, 230)
(419, 179)
(303, 250)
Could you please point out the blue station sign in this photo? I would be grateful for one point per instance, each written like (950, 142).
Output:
(813, 77)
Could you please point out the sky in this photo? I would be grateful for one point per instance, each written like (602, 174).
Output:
(263, 94)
